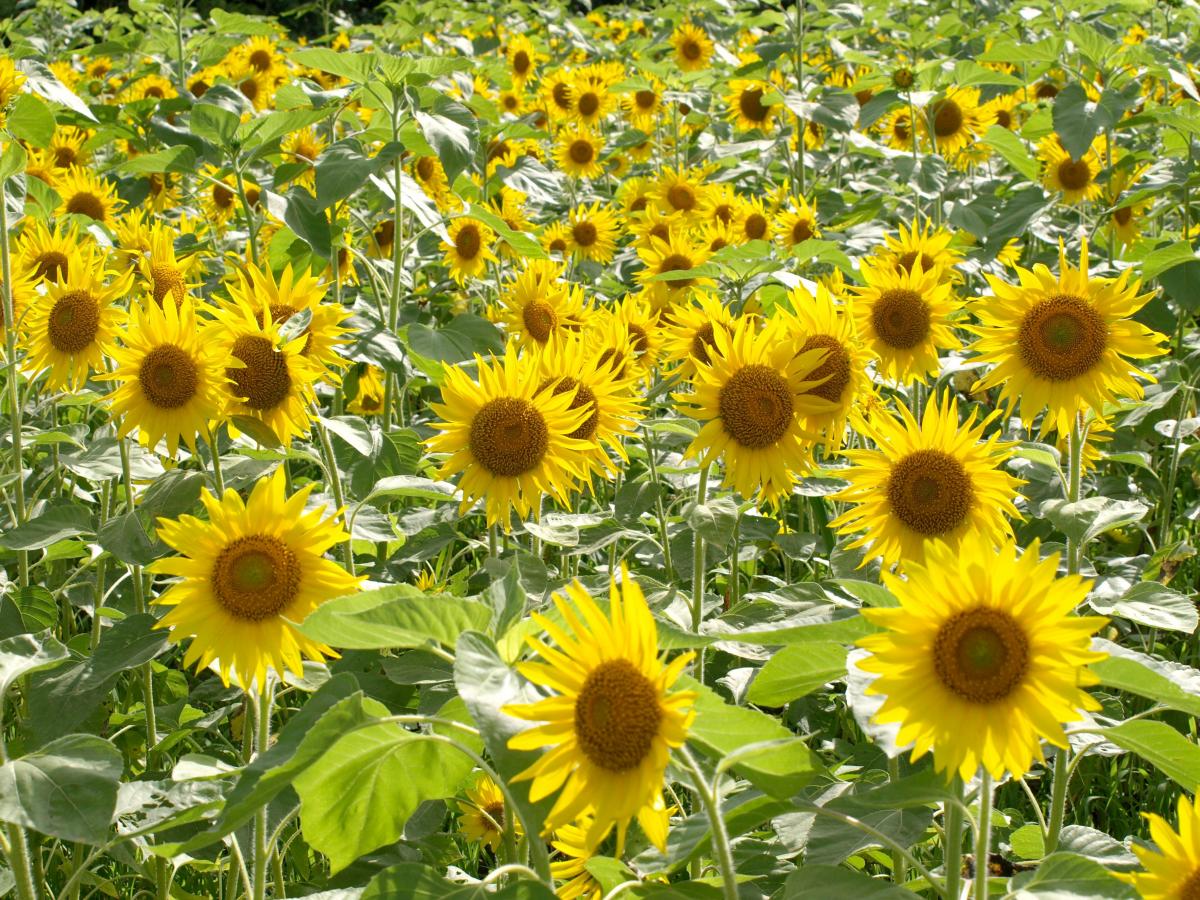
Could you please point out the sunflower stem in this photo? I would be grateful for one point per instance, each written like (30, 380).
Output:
(698, 573)
(899, 864)
(262, 724)
(251, 224)
(952, 850)
(335, 483)
(722, 851)
(214, 453)
(139, 607)
(983, 835)
(658, 504)
(1058, 800)
(14, 394)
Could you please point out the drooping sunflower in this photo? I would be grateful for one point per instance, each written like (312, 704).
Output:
(593, 232)
(169, 379)
(675, 254)
(613, 719)
(798, 224)
(1074, 178)
(820, 322)
(483, 814)
(693, 47)
(270, 378)
(538, 306)
(983, 659)
(1059, 343)
(293, 293)
(1173, 871)
(904, 318)
(691, 334)
(751, 396)
(44, 255)
(954, 121)
(469, 250)
(926, 482)
(68, 330)
(578, 152)
(165, 274)
(85, 193)
(746, 109)
(246, 574)
(509, 449)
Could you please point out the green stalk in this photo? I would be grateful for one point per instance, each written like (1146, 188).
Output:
(262, 722)
(952, 849)
(722, 852)
(983, 835)
(139, 607)
(335, 483)
(658, 505)
(393, 312)
(698, 572)
(214, 453)
(17, 848)
(14, 394)
(251, 222)
(899, 864)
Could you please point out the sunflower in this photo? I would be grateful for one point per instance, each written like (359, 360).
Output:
(613, 719)
(162, 192)
(577, 882)
(509, 449)
(68, 330)
(263, 55)
(219, 197)
(578, 152)
(751, 396)
(169, 379)
(44, 255)
(483, 813)
(469, 250)
(523, 60)
(675, 254)
(537, 305)
(302, 148)
(690, 334)
(270, 379)
(904, 318)
(1002, 109)
(257, 87)
(924, 483)
(750, 221)
(292, 294)
(954, 121)
(86, 194)
(1173, 871)
(1060, 343)
(984, 658)
(556, 94)
(369, 394)
(1074, 178)
(591, 101)
(798, 225)
(429, 174)
(820, 322)
(512, 102)
(644, 105)
(1127, 221)
(921, 241)
(653, 224)
(67, 147)
(593, 232)
(897, 128)
(247, 574)
(556, 239)
(11, 79)
(681, 191)
(693, 47)
(746, 109)
(24, 292)
(149, 87)
(570, 364)
(163, 273)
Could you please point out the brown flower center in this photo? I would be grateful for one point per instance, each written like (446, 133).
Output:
(540, 320)
(167, 280)
(468, 242)
(256, 577)
(802, 231)
(645, 100)
(51, 266)
(756, 226)
(835, 367)
(1074, 174)
(263, 380)
(1123, 215)
(756, 406)
(682, 197)
(751, 105)
(74, 322)
(907, 260)
(1062, 337)
(617, 716)
(981, 654)
(947, 118)
(85, 203)
(508, 437)
(260, 60)
(589, 103)
(901, 318)
(691, 50)
(703, 340)
(581, 152)
(168, 376)
(584, 397)
(521, 62)
(930, 492)
(677, 262)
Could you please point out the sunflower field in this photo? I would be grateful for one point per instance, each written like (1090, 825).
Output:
(707, 451)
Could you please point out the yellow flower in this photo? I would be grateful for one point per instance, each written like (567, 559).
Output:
(163, 273)
(746, 109)
(983, 659)
(45, 255)
(245, 575)
(578, 152)
(577, 881)
(86, 194)
(613, 719)
(522, 60)
(1173, 871)
(955, 121)
(66, 146)
(926, 482)
(680, 191)
(921, 241)
(509, 449)
(1060, 343)
(593, 232)
(369, 393)
(11, 79)
(693, 47)
(798, 225)
(301, 149)
(591, 101)
(469, 250)
(1075, 179)
(483, 813)
(169, 378)
(691, 333)
(644, 105)
(538, 305)
(675, 254)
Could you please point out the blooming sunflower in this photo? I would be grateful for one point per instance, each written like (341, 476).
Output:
(983, 659)
(681, 191)
(577, 882)
(509, 449)
(301, 149)
(612, 720)
(219, 197)
(68, 330)
(690, 334)
(644, 105)
(1173, 871)
(1074, 178)
(897, 128)
(246, 574)
(751, 396)
(955, 121)
(820, 322)
(591, 100)
(469, 250)
(593, 232)
(924, 483)
(578, 152)
(798, 225)
(169, 378)
(746, 109)
(693, 47)
(555, 239)
(11, 79)
(522, 60)
(86, 194)
(675, 254)
(751, 219)
(921, 241)
(537, 305)
(44, 255)
(163, 272)
(904, 318)
(1059, 343)
(67, 147)
(483, 813)
(369, 394)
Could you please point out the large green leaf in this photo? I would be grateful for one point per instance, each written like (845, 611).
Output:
(816, 882)
(417, 882)
(1161, 745)
(797, 670)
(1067, 876)
(1132, 676)
(22, 654)
(57, 523)
(398, 615)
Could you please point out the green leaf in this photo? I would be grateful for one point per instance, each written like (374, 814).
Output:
(214, 123)
(67, 790)
(450, 132)
(714, 521)
(825, 624)
(1013, 150)
(22, 654)
(41, 80)
(1155, 606)
(720, 729)
(1046, 50)
(796, 671)
(12, 161)
(463, 337)
(815, 882)
(1166, 258)
(240, 23)
(1131, 676)
(831, 840)
(355, 67)
(521, 243)
(414, 486)
(1066, 876)
(1160, 744)
(398, 615)
(57, 523)
(1077, 120)
(360, 793)
(340, 171)
(1087, 519)
(308, 219)
(126, 538)
(414, 881)
(31, 120)
(180, 158)
(1028, 842)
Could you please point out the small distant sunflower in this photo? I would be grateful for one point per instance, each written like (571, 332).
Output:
(922, 242)
(86, 194)
(1173, 870)
(575, 881)
(556, 93)
(245, 575)
(897, 128)
(165, 274)
(11, 79)
(1128, 220)
(483, 818)
(509, 449)
(1075, 179)
(751, 220)
(263, 55)
(751, 396)
(44, 254)
(593, 232)
(675, 254)
(591, 101)
(556, 239)
(538, 306)
(926, 482)
(67, 147)
(469, 250)
(613, 719)
(578, 153)
(1061, 343)
(1002, 110)
(169, 378)
(303, 148)
(369, 394)
(693, 47)
(68, 330)
(954, 121)
(219, 196)
(904, 319)
(523, 60)
(798, 225)
(746, 109)
(645, 104)
(633, 194)
(691, 333)
(984, 657)
(680, 191)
